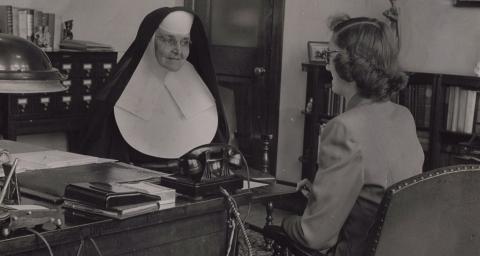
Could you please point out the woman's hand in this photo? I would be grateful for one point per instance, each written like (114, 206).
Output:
(304, 186)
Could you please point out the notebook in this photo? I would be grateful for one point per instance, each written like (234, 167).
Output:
(107, 195)
(49, 184)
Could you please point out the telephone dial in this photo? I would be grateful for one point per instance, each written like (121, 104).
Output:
(206, 168)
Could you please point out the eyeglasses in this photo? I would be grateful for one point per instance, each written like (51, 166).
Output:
(171, 41)
(327, 53)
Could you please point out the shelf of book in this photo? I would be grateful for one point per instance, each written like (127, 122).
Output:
(456, 120)
(28, 23)
(426, 96)
(446, 109)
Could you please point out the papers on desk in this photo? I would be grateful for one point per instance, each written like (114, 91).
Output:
(253, 184)
(53, 159)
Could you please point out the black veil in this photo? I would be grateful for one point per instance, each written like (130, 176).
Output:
(100, 136)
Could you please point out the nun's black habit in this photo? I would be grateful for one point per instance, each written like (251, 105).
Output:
(101, 136)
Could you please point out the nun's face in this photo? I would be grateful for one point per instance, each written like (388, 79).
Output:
(171, 50)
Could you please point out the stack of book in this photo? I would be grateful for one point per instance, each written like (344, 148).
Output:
(418, 98)
(31, 24)
(461, 108)
(117, 200)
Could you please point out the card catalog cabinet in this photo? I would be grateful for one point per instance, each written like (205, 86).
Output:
(61, 111)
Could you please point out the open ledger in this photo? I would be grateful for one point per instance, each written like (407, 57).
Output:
(118, 200)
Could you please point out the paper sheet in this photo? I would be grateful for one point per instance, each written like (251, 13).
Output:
(52, 159)
(253, 184)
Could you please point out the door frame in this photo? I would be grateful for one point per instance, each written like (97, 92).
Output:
(273, 64)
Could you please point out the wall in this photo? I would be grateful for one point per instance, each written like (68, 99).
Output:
(305, 20)
(439, 38)
(436, 37)
(113, 22)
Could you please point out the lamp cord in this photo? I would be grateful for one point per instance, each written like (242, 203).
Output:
(41, 238)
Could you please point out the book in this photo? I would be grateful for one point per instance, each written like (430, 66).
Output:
(428, 104)
(118, 200)
(167, 195)
(51, 30)
(470, 111)
(6, 19)
(107, 195)
(449, 103)
(15, 21)
(22, 23)
(455, 104)
(83, 45)
(119, 212)
(462, 108)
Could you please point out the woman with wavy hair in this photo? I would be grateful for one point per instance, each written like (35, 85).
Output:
(369, 147)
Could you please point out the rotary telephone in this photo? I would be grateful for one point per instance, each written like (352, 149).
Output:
(204, 169)
(208, 162)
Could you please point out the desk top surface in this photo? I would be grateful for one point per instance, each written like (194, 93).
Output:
(182, 208)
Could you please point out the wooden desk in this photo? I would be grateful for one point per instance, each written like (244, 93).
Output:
(184, 228)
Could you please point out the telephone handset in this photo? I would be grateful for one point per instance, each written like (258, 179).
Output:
(208, 162)
(204, 169)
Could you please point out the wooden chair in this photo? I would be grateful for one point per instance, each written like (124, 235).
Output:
(434, 213)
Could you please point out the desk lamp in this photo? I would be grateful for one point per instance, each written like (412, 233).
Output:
(25, 68)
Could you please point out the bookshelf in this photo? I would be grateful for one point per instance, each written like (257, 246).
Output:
(457, 145)
(31, 24)
(431, 100)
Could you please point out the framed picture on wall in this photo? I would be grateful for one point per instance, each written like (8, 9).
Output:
(317, 51)
(467, 3)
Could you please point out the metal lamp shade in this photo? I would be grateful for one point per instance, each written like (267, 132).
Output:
(25, 68)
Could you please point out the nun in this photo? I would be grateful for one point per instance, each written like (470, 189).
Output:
(162, 98)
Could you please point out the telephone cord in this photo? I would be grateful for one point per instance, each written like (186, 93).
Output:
(247, 169)
(234, 208)
(41, 238)
(230, 242)
(82, 242)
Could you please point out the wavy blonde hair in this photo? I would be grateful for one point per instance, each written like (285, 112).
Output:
(369, 56)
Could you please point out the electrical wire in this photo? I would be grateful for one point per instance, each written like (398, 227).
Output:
(41, 238)
(234, 209)
(247, 169)
(230, 242)
(80, 247)
(95, 245)
(82, 242)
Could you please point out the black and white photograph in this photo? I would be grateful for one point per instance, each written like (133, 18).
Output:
(467, 3)
(317, 51)
(239, 127)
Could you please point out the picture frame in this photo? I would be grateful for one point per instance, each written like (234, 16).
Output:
(466, 3)
(317, 51)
